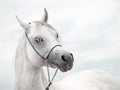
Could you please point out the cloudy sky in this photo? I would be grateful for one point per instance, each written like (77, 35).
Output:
(89, 28)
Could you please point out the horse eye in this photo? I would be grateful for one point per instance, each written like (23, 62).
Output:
(38, 40)
(29, 23)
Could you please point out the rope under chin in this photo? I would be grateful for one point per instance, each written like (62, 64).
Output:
(49, 78)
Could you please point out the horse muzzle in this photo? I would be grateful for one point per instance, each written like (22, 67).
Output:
(67, 62)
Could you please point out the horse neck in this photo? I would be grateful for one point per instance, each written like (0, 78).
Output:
(28, 76)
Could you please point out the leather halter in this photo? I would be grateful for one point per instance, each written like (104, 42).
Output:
(50, 81)
(38, 52)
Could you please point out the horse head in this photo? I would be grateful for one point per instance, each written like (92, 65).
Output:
(45, 41)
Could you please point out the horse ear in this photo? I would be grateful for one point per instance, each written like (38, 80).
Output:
(23, 24)
(45, 17)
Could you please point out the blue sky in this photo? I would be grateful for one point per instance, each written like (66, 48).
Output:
(89, 29)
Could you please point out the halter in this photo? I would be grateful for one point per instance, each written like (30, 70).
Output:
(50, 81)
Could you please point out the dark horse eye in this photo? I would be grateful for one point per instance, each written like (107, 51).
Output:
(38, 40)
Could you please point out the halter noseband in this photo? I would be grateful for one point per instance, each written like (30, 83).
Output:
(50, 81)
(38, 52)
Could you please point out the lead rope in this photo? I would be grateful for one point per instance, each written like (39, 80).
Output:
(50, 81)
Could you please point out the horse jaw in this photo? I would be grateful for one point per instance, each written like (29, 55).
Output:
(28, 76)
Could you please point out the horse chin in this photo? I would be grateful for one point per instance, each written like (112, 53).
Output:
(65, 69)
(62, 68)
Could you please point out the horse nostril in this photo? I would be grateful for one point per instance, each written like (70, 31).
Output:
(71, 55)
(63, 58)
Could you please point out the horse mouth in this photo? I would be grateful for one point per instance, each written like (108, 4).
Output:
(65, 68)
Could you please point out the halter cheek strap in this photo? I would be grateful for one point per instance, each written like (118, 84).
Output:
(50, 81)
(38, 52)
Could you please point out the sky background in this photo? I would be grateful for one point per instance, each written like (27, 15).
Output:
(89, 28)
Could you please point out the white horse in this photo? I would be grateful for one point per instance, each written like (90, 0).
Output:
(40, 45)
